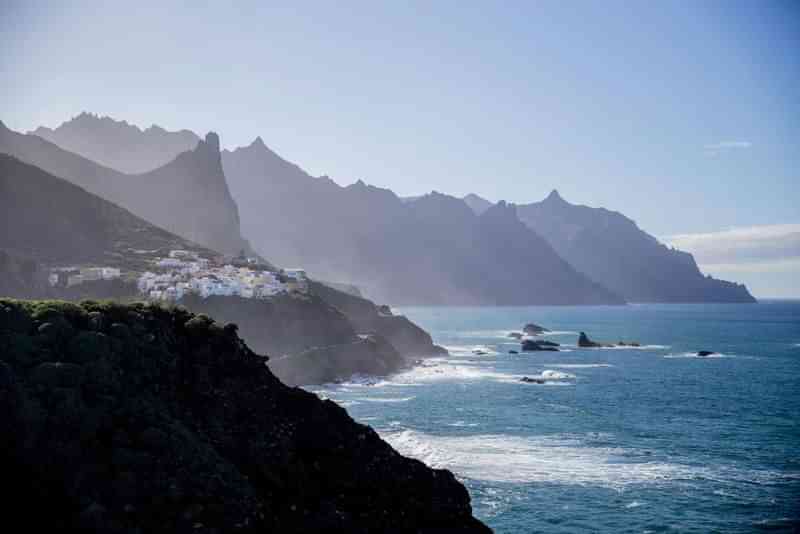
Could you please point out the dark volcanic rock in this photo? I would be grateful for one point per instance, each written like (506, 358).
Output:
(533, 329)
(531, 345)
(184, 429)
(585, 342)
(529, 380)
(370, 355)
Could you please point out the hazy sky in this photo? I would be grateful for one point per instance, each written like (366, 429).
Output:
(684, 115)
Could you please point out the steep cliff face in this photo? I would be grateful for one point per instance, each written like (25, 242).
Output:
(140, 419)
(311, 341)
(612, 250)
(280, 326)
(117, 144)
(409, 339)
(428, 250)
(188, 196)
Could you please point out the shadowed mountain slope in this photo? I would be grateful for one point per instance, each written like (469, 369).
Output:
(428, 250)
(188, 196)
(52, 221)
(612, 250)
(117, 144)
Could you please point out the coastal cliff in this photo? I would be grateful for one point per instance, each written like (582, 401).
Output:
(313, 340)
(144, 419)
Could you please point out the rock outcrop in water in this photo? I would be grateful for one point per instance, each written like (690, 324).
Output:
(533, 329)
(141, 419)
(532, 345)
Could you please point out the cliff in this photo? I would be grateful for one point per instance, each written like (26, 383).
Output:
(188, 196)
(427, 250)
(142, 419)
(612, 250)
(409, 339)
(312, 341)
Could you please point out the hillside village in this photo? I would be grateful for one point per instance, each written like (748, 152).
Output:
(184, 272)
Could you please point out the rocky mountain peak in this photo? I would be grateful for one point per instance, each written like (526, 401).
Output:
(212, 140)
(555, 198)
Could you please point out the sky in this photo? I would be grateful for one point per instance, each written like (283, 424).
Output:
(683, 115)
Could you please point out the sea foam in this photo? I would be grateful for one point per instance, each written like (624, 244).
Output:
(558, 459)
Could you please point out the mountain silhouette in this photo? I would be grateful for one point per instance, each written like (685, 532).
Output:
(612, 250)
(424, 250)
(188, 196)
(117, 144)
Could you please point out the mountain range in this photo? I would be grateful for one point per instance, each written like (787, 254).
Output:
(428, 249)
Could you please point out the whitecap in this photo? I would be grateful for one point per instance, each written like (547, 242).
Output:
(578, 365)
(461, 424)
(634, 504)
(439, 369)
(549, 374)
(470, 350)
(384, 399)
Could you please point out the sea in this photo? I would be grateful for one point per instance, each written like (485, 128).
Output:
(647, 439)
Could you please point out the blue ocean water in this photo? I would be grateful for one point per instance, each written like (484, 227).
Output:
(650, 439)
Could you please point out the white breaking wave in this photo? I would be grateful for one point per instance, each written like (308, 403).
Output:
(555, 459)
(469, 350)
(578, 365)
(384, 399)
(549, 374)
(440, 369)
(462, 424)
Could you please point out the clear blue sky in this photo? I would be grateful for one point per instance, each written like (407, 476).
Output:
(684, 115)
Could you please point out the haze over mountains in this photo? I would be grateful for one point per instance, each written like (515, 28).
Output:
(188, 196)
(430, 249)
(117, 144)
(611, 249)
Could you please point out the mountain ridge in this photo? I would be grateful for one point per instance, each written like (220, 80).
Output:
(118, 144)
(610, 248)
(403, 251)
